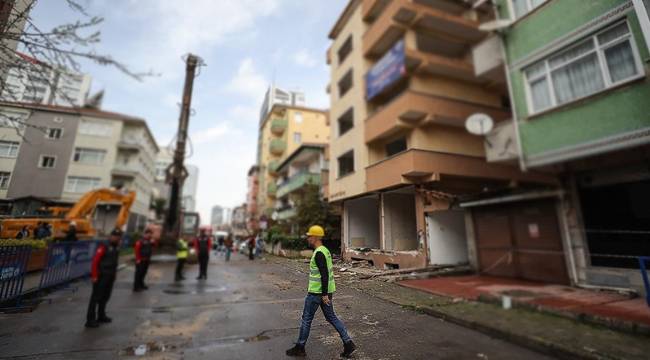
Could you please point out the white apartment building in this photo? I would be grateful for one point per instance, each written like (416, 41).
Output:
(35, 82)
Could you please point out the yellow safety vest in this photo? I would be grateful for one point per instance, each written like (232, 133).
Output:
(315, 285)
(182, 249)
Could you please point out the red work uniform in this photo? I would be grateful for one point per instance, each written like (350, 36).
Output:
(103, 272)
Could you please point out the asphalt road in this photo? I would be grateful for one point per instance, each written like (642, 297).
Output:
(245, 310)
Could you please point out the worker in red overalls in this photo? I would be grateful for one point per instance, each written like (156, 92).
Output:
(143, 252)
(103, 272)
(202, 246)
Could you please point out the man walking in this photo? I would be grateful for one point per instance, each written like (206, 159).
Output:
(202, 246)
(143, 252)
(320, 291)
(181, 256)
(103, 272)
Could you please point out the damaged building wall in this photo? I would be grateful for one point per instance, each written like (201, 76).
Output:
(400, 227)
(362, 218)
(447, 237)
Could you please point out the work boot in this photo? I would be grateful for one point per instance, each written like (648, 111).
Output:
(297, 351)
(104, 319)
(348, 349)
(145, 287)
(92, 324)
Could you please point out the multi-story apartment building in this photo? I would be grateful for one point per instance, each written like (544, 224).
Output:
(31, 81)
(580, 92)
(217, 217)
(238, 222)
(13, 17)
(402, 86)
(301, 168)
(253, 181)
(275, 95)
(282, 132)
(60, 153)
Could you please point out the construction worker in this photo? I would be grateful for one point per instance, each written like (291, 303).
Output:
(182, 250)
(202, 246)
(102, 274)
(320, 291)
(143, 252)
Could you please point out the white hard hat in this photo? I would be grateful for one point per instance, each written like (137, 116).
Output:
(73, 223)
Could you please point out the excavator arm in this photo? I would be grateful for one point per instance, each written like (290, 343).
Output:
(86, 205)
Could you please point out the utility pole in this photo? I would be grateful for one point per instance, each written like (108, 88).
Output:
(176, 172)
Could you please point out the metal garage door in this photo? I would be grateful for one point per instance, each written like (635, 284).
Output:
(521, 240)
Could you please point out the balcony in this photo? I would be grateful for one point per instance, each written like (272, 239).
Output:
(450, 28)
(297, 181)
(125, 171)
(271, 189)
(371, 9)
(419, 166)
(279, 126)
(285, 214)
(412, 109)
(129, 145)
(273, 167)
(277, 147)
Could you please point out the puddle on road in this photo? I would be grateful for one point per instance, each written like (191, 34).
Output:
(198, 291)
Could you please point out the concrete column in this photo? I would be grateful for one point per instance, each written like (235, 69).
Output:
(382, 225)
(472, 252)
(421, 224)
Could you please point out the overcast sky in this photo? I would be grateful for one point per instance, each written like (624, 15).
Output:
(246, 44)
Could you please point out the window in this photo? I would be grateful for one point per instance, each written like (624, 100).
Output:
(346, 163)
(89, 156)
(54, 133)
(77, 184)
(345, 50)
(345, 84)
(346, 121)
(95, 128)
(9, 149)
(47, 161)
(395, 147)
(592, 65)
(522, 7)
(297, 138)
(297, 117)
(4, 179)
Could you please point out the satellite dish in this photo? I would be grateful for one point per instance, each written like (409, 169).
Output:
(479, 124)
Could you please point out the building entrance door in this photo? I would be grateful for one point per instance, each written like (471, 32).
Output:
(521, 240)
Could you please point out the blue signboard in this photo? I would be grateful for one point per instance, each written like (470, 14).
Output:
(390, 69)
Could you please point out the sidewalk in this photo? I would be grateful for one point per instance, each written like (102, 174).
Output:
(559, 336)
(601, 307)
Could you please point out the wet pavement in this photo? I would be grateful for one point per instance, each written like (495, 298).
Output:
(245, 310)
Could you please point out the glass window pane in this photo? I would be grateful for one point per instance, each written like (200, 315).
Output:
(540, 94)
(578, 79)
(520, 7)
(536, 70)
(537, 3)
(572, 53)
(613, 33)
(620, 61)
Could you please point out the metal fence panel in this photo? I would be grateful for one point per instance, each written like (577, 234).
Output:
(644, 274)
(13, 264)
(67, 261)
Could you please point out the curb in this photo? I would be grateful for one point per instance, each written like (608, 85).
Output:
(537, 345)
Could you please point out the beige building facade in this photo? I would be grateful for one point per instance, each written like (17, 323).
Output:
(402, 85)
(283, 131)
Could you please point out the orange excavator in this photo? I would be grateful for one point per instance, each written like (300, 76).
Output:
(80, 215)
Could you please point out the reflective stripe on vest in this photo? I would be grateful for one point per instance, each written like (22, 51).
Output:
(315, 285)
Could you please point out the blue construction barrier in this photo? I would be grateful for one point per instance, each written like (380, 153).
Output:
(644, 274)
(67, 261)
(13, 265)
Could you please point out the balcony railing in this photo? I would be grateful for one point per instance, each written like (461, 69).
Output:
(412, 109)
(271, 189)
(273, 167)
(419, 166)
(285, 214)
(401, 15)
(297, 182)
(277, 146)
(279, 126)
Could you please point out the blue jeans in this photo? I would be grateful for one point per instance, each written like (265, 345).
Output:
(312, 303)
